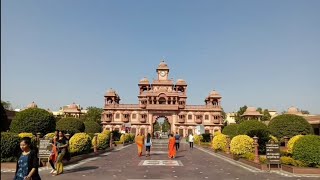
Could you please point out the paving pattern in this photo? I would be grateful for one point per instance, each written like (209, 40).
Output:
(197, 163)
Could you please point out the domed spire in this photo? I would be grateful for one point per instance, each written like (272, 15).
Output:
(163, 66)
(32, 105)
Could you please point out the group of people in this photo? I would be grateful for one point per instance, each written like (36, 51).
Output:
(173, 144)
(28, 164)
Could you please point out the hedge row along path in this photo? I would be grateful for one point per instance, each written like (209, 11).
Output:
(123, 164)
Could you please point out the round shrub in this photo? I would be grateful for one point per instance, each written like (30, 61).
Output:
(33, 120)
(307, 150)
(49, 136)
(274, 139)
(289, 125)
(219, 142)
(70, 125)
(122, 138)
(241, 144)
(127, 137)
(80, 143)
(103, 140)
(231, 130)
(197, 139)
(256, 128)
(91, 127)
(291, 143)
(29, 135)
(10, 146)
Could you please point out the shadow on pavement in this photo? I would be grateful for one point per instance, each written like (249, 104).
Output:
(81, 169)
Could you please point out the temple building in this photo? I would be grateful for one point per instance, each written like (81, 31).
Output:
(163, 98)
(251, 113)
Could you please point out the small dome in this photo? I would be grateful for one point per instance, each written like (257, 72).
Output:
(111, 92)
(163, 65)
(144, 81)
(215, 93)
(251, 109)
(73, 106)
(294, 110)
(181, 82)
(32, 105)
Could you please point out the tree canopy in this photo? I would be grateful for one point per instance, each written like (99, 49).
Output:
(93, 114)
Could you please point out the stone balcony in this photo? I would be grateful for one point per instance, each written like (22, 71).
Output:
(125, 120)
(181, 120)
(143, 120)
(198, 121)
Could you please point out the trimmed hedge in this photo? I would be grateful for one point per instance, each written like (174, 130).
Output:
(307, 150)
(103, 140)
(197, 139)
(289, 125)
(291, 143)
(241, 144)
(80, 143)
(256, 128)
(219, 142)
(49, 136)
(231, 130)
(70, 125)
(91, 127)
(33, 120)
(10, 146)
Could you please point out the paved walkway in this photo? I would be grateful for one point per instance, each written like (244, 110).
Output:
(189, 164)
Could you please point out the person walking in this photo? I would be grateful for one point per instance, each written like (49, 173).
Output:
(191, 139)
(171, 147)
(139, 141)
(148, 143)
(177, 138)
(28, 164)
(62, 146)
(54, 152)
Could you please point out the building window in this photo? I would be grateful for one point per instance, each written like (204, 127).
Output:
(117, 116)
(134, 116)
(189, 116)
(206, 117)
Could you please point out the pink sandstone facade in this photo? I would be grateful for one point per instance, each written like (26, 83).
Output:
(162, 98)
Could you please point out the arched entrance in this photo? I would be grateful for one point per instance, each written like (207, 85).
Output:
(161, 126)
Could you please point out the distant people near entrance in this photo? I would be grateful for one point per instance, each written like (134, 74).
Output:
(148, 144)
(140, 142)
(177, 138)
(191, 139)
(171, 147)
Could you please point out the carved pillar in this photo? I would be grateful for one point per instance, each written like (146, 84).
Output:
(256, 152)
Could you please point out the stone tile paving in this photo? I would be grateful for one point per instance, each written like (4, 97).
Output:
(193, 164)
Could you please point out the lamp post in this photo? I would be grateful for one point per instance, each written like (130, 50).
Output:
(286, 139)
(256, 153)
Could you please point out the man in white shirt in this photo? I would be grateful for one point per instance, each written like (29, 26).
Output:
(191, 138)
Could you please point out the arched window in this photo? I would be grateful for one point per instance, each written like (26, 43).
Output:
(162, 100)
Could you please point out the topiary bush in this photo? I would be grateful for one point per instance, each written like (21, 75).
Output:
(80, 143)
(289, 125)
(197, 139)
(10, 146)
(29, 135)
(33, 120)
(49, 136)
(70, 125)
(256, 128)
(290, 161)
(241, 144)
(206, 137)
(231, 130)
(219, 142)
(307, 150)
(291, 143)
(122, 138)
(91, 127)
(103, 140)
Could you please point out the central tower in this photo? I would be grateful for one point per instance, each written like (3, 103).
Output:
(163, 71)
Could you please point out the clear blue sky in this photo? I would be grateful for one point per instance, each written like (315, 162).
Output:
(255, 53)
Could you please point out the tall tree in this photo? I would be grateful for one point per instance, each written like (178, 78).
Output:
(4, 119)
(93, 114)
(6, 105)
(165, 126)
(156, 127)
(238, 117)
(266, 115)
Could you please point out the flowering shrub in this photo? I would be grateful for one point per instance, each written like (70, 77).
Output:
(291, 143)
(80, 143)
(219, 142)
(123, 138)
(29, 135)
(49, 136)
(197, 139)
(241, 144)
(290, 161)
(274, 139)
(307, 150)
(103, 140)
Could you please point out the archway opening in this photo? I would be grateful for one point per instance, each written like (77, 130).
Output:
(161, 127)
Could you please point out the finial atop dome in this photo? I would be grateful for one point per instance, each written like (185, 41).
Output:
(32, 105)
